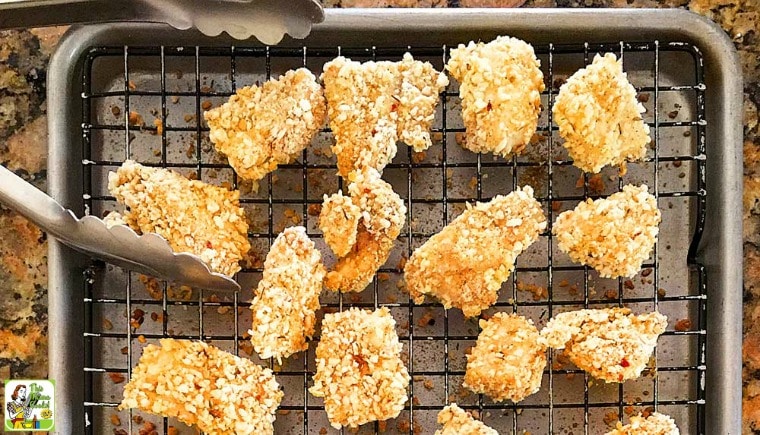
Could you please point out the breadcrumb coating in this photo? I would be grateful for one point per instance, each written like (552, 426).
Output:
(382, 215)
(508, 359)
(655, 424)
(599, 116)
(204, 386)
(360, 373)
(614, 235)
(466, 263)
(339, 221)
(287, 296)
(611, 344)
(191, 215)
(500, 84)
(372, 105)
(261, 127)
(457, 421)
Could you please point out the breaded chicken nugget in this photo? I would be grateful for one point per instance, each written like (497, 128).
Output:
(374, 104)
(610, 344)
(261, 127)
(287, 296)
(508, 359)
(457, 421)
(193, 216)
(599, 116)
(655, 424)
(203, 386)
(500, 84)
(467, 262)
(360, 374)
(614, 235)
(378, 213)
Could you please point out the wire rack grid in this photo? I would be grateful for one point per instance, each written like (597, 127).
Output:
(127, 85)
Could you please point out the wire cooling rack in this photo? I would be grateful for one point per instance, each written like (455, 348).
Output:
(146, 103)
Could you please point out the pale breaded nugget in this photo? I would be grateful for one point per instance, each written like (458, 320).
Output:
(193, 216)
(203, 386)
(655, 424)
(500, 84)
(374, 104)
(261, 127)
(360, 374)
(339, 222)
(381, 215)
(287, 296)
(610, 344)
(599, 116)
(467, 262)
(508, 359)
(457, 421)
(614, 235)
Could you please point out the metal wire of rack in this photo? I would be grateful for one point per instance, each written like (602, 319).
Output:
(434, 339)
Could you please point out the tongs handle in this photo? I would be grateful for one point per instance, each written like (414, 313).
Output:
(267, 20)
(42, 13)
(34, 204)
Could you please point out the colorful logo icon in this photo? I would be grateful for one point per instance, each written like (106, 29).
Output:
(29, 405)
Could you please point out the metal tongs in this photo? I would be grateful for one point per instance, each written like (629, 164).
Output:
(267, 20)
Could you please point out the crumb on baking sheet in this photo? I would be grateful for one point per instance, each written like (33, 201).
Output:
(500, 87)
(457, 421)
(611, 344)
(538, 292)
(466, 263)
(372, 105)
(614, 235)
(654, 424)
(287, 297)
(116, 378)
(191, 215)
(683, 325)
(359, 372)
(261, 127)
(204, 386)
(508, 359)
(599, 116)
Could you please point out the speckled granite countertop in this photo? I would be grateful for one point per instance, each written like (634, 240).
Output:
(23, 274)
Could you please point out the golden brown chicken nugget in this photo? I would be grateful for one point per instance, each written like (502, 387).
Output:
(261, 127)
(382, 215)
(599, 116)
(508, 359)
(610, 344)
(360, 373)
(500, 85)
(191, 215)
(614, 235)
(287, 297)
(203, 386)
(373, 105)
(457, 421)
(465, 264)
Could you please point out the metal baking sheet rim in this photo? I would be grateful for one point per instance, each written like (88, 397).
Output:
(720, 251)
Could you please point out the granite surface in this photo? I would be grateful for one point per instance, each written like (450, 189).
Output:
(23, 249)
